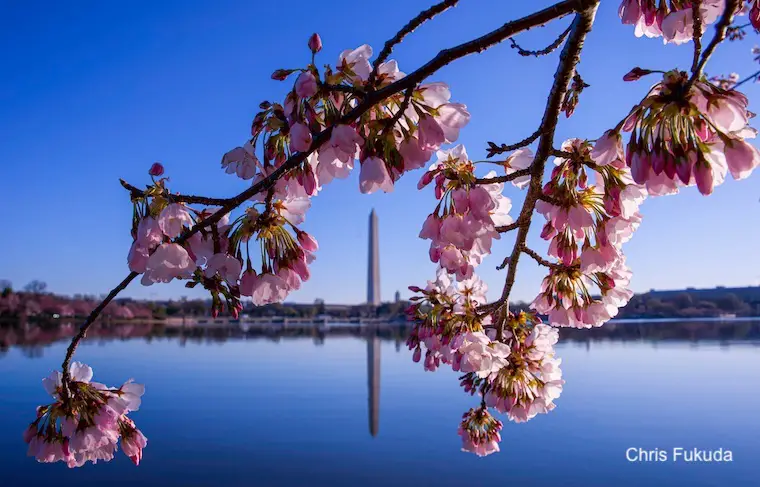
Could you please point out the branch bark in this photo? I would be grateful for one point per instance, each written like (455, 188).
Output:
(135, 192)
(443, 58)
(410, 27)
(568, 60)
(720, 35)
(542, 52)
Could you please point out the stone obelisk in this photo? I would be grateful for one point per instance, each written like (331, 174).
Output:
(373, 268)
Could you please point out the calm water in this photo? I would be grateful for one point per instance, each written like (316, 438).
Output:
(296, 412)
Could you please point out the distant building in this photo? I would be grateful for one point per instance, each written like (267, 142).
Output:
(398, 297)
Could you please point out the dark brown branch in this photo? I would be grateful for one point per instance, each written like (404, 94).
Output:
(83, 331)
(537, 257)
(443, 58)
(135, 193)
(410, 27)
(696, 15)
(549, 199)
(748, 78)
(401, 109)
(506, 178)
(720, 35)
(543, 52)
(508, 228)
(568, 60)
(342, 88)
(494, 149)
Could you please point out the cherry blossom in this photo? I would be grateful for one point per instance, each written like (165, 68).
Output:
(374, 176)
(173, 219)
(86, 425)
(241, 161)
(167, 262)
(480, 432)
(306, 85)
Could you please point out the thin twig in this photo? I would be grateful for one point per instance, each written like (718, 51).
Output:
(342, 88)
(720, 35)
(537, 257)
(509, 228)
(401, 109)
(83, 331)
(543, 52)
(494, 149)
(696, 15)
(410, 27)
(504, 179)
(748, 78)
(443, 58)
(135, 193)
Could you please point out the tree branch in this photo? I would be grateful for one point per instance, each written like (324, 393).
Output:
(568, 59)
(748, 78)
(343, 88)
(179, 198)
(509, 228)
(506, 178)
(696, 15)
(494, 149)
(443, 58)
(720, 35)
(410, 27)
(83, 331)
(543, 52)
(536, 257)
(401, 109)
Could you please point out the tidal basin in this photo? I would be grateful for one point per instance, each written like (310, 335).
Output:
(233, 408)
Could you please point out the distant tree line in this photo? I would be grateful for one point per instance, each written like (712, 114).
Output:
(35, 302)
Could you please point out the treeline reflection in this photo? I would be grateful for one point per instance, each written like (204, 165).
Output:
(32, 338)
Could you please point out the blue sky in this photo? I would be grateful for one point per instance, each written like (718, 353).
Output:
(94, 91)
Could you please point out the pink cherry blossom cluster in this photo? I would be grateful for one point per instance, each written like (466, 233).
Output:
(531, 379)
(672, 20)
(463, 225)
(684, 134)
(447, 322)
(397, 135)
(480, 432)
(202, 259)
(586, 226)
(88, 425)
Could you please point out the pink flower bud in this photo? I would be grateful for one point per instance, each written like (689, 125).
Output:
(636, 73)
(426, 179)
(156, 169)
(30, 433)
(281, 74)
(308, 243)
(683, 169)
(703, 173)
(315, 43)
(417, 355)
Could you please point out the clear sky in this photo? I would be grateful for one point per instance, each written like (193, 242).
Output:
(93, 91)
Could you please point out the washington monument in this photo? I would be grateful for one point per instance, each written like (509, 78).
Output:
(373, 267)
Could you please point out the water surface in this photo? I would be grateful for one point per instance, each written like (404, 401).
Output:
(252, 410)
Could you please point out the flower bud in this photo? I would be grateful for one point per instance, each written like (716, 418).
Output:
(156, 169)
(281, 74)
(635, 74)
(315, 43)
